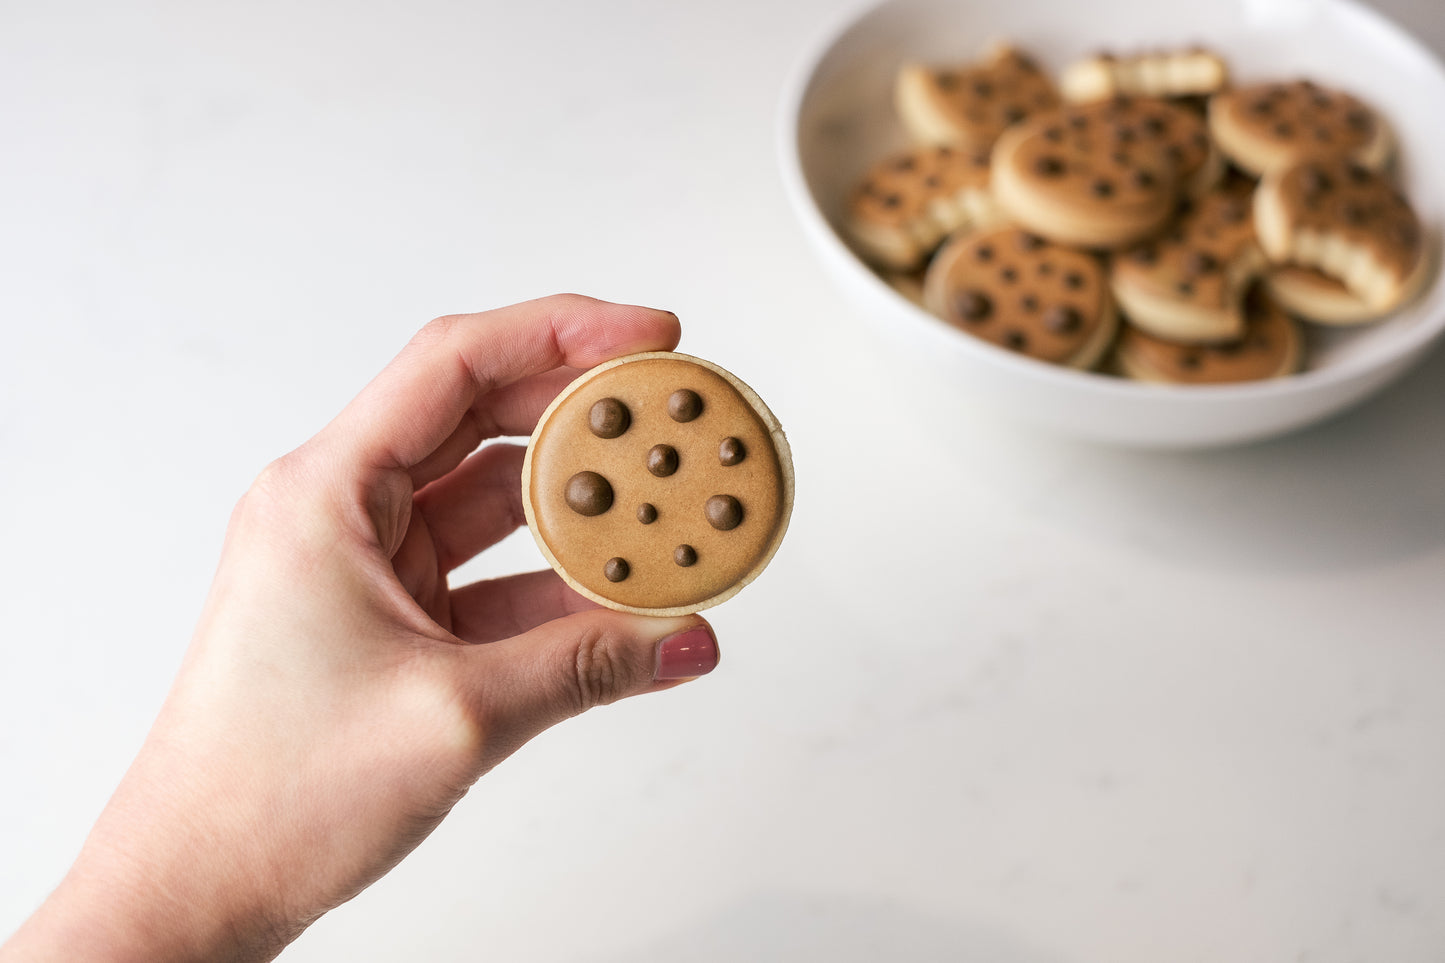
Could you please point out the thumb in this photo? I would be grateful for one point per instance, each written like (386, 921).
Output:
(562, 668)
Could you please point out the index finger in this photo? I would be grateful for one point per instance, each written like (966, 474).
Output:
(418, 401)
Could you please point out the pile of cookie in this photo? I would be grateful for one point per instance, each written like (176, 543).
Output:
(1141, 216)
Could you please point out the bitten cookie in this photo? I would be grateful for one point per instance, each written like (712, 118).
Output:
(1264, 127)
(1312, 296)
(1346, 221)
(1103, 174)
(1017, 290)
(1189, 284)
(908, 203)
(658, 483)
(972, 104)
(1162, 73)
(1270, 347)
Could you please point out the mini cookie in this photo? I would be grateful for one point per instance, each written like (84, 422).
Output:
(1346, 221)
(1270, 347)
(1308, 294)
(972, 104)
(1189, 284)
(1165, 73)
(658, 483)
(1103, 174)
(908, 203)
(1019, 291)
(1268, 126)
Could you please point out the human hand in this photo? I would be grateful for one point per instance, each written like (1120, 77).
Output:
(338, 697)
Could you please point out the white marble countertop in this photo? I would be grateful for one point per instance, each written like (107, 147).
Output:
(1001, 697)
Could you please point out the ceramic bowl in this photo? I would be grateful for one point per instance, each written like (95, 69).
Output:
(837, 118)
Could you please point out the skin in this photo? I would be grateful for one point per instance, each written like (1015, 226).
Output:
(338, 697)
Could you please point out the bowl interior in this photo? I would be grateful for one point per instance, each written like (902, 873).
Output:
(839, 119)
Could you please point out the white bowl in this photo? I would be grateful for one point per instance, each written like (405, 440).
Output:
(837, 119)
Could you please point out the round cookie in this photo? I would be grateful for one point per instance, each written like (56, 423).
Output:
(1104, 174)
(1189, 284)
(658, 483)
(1264, 127)
(1023, 293)
(1270, 347)
(1346, 221)
(972, 104)
(1193, 72)
(908, 203)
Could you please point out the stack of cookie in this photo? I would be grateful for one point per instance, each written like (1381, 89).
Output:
(1140, 217)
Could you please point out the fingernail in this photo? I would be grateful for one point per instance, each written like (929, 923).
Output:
(687, 654)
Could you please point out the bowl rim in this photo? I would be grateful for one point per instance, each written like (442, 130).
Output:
(1409, 346)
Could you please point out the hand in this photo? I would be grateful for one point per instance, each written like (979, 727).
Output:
(338, 697)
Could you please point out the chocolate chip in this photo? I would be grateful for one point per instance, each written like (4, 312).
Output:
(1073, 280)
(1284, 129)
(1053, 134)
(1144, 254)
(1358, 120)
(947, 81)
(1185, 288)
(931, 181)
(1048, 166)
(1062, 319)
(1029, 303)
(1102, 187)
(1314, 181)
(1261, 105)
(616, 569)
(684, 404)
(1013, 113)
(1200, 262)
(684, 555)
(731, 452)
(1154, 126)
(1045, 268)
(662, 460)
(588, 493)
(1030, 242)
(983, 253)
(905, 164)
(724, 512)
(647, 513)
(983, 88)
(1015, 339)
(893, 200)
(973, 305)
(1142, 178)
(609, 418)
(1009, 275)
(1189, 360)
(1125, 134)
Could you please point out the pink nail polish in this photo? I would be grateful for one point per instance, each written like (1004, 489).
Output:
(687, 654)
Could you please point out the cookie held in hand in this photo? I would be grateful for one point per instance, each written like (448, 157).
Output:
(658, 484)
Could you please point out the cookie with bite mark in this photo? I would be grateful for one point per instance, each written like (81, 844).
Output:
(1188, 284)
(909, 202)
(971, 104)
(1016, 290)
(1193, 72)
(658, 483)
(1267, 126)
(1270, 346)
(1346, 221)
(1312, 296)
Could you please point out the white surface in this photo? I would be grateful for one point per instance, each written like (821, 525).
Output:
(839, 119)
(999, 698)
